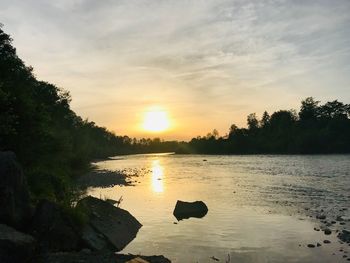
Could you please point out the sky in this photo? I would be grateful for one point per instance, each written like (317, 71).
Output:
(207, 63)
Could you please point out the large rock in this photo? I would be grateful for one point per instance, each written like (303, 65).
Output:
(15, 246)
(109, 227)
(14, 197)
(184, 210)
(54, 229)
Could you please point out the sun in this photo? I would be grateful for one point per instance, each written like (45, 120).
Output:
(156, 120)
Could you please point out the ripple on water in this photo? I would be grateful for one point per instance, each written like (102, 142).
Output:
(259, 206)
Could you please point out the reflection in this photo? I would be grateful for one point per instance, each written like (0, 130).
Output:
(157, 177)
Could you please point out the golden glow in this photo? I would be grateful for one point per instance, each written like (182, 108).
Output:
(157, 177)
(156, 120)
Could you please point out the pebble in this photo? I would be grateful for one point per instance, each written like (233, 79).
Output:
(321, 217)
(310, 245)
(326, 241)
(327, 231)
(318, 244)
(339, 218)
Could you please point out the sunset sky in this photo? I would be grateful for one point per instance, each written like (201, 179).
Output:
(205, 64)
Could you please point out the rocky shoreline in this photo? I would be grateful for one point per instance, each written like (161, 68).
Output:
(48, 233)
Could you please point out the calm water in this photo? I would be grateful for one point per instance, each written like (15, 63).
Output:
(259, 206)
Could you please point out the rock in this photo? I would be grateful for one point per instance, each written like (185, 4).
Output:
(15, 246)
(318, 244)
(54, 229)
(14, 196)
(311, 245)
(326, 241)
(214, 258)
(184, 210)
(327, 231)
(109, 227)
(94, 239)
(120, 258)
(339, 218)
(137, 260)
(344, 236)
(322, 217)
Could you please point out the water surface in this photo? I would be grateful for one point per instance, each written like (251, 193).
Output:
(259, 206)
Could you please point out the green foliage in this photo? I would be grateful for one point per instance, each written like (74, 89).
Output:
(52, 143)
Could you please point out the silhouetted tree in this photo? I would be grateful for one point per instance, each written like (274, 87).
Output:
(265, 120)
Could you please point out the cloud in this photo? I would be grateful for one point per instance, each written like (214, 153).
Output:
(224, 58)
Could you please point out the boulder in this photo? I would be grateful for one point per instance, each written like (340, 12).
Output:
(14, 196)
(184, 210)
(108, 227)
(15, 246)
(54, 229)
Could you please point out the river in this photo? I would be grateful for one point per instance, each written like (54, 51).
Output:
(262, 208)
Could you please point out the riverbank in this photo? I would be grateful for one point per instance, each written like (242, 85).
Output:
(48, 232)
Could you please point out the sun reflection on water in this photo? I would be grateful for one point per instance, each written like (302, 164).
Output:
(157, 177)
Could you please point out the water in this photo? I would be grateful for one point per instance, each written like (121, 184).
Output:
(259, 206)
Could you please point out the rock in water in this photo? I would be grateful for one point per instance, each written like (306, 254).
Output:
(15, 246)
(108, 226)
(344, 236)
(327, 231)
(14, 196)
(122, 258)
(184, 210)
(53, 228)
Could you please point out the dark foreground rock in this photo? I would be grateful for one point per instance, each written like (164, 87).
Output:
(14, 196)
(15, 246)
(184, 210)
(98, 257)
(109, 227)
(54, 229)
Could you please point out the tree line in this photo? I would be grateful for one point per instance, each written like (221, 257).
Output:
(315, 129)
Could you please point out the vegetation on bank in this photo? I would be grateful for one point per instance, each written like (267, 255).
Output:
(54, 144)
(316, 129)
